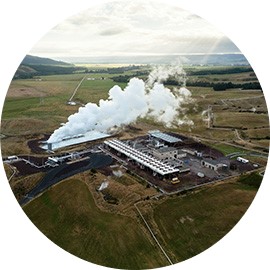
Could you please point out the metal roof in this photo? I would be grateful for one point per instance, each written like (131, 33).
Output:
(164, 136)
(212, 161)
(142, 158)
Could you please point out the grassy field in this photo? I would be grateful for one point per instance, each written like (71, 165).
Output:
(46, 97)
(191, 224)
(46, 86)
(258, 133)
(22, 185)
(245, 120)
(94, 90)
(227, 149)
(126, 180)
(69, 217)
(39, 106)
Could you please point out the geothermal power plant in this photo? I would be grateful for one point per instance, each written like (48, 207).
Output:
(168, 161)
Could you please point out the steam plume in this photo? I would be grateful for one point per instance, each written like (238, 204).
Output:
(103, 185)
(150, 99)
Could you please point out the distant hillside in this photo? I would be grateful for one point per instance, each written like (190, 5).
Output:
(38, 66)
(189, 59)
(35, 60)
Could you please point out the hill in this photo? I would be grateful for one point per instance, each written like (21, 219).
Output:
(35, 60)
(38, 66)
(186, 59)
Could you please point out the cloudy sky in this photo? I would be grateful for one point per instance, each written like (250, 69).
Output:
(131, 28)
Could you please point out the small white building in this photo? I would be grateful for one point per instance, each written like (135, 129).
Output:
(212, 164)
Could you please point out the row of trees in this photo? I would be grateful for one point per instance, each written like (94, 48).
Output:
(126, 78)
(117, 70)
(222, 86)
(215, 71)
(216, 86)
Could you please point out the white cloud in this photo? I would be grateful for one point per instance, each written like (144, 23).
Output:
(132, 27)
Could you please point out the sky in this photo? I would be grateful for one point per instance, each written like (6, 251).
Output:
(130, 28)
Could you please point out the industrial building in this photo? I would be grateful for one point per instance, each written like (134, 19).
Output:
(172, 158)
(168, 156)
(156, 134)
(168, 153)
(144, 160)
(55, 161)
(192, 152)
(73, 140)
(213, 164)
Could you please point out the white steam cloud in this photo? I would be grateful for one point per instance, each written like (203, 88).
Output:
(150, 99)
(103, 185)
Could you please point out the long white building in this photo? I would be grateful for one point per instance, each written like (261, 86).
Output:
(143, 159)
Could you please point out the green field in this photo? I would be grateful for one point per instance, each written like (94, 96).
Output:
(94, 90)
(69, 217)
(258, 133)
(46, 97)
(228, 149)
(191, 224)
(242, 120)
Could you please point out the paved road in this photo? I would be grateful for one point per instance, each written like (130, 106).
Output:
(64, 171)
